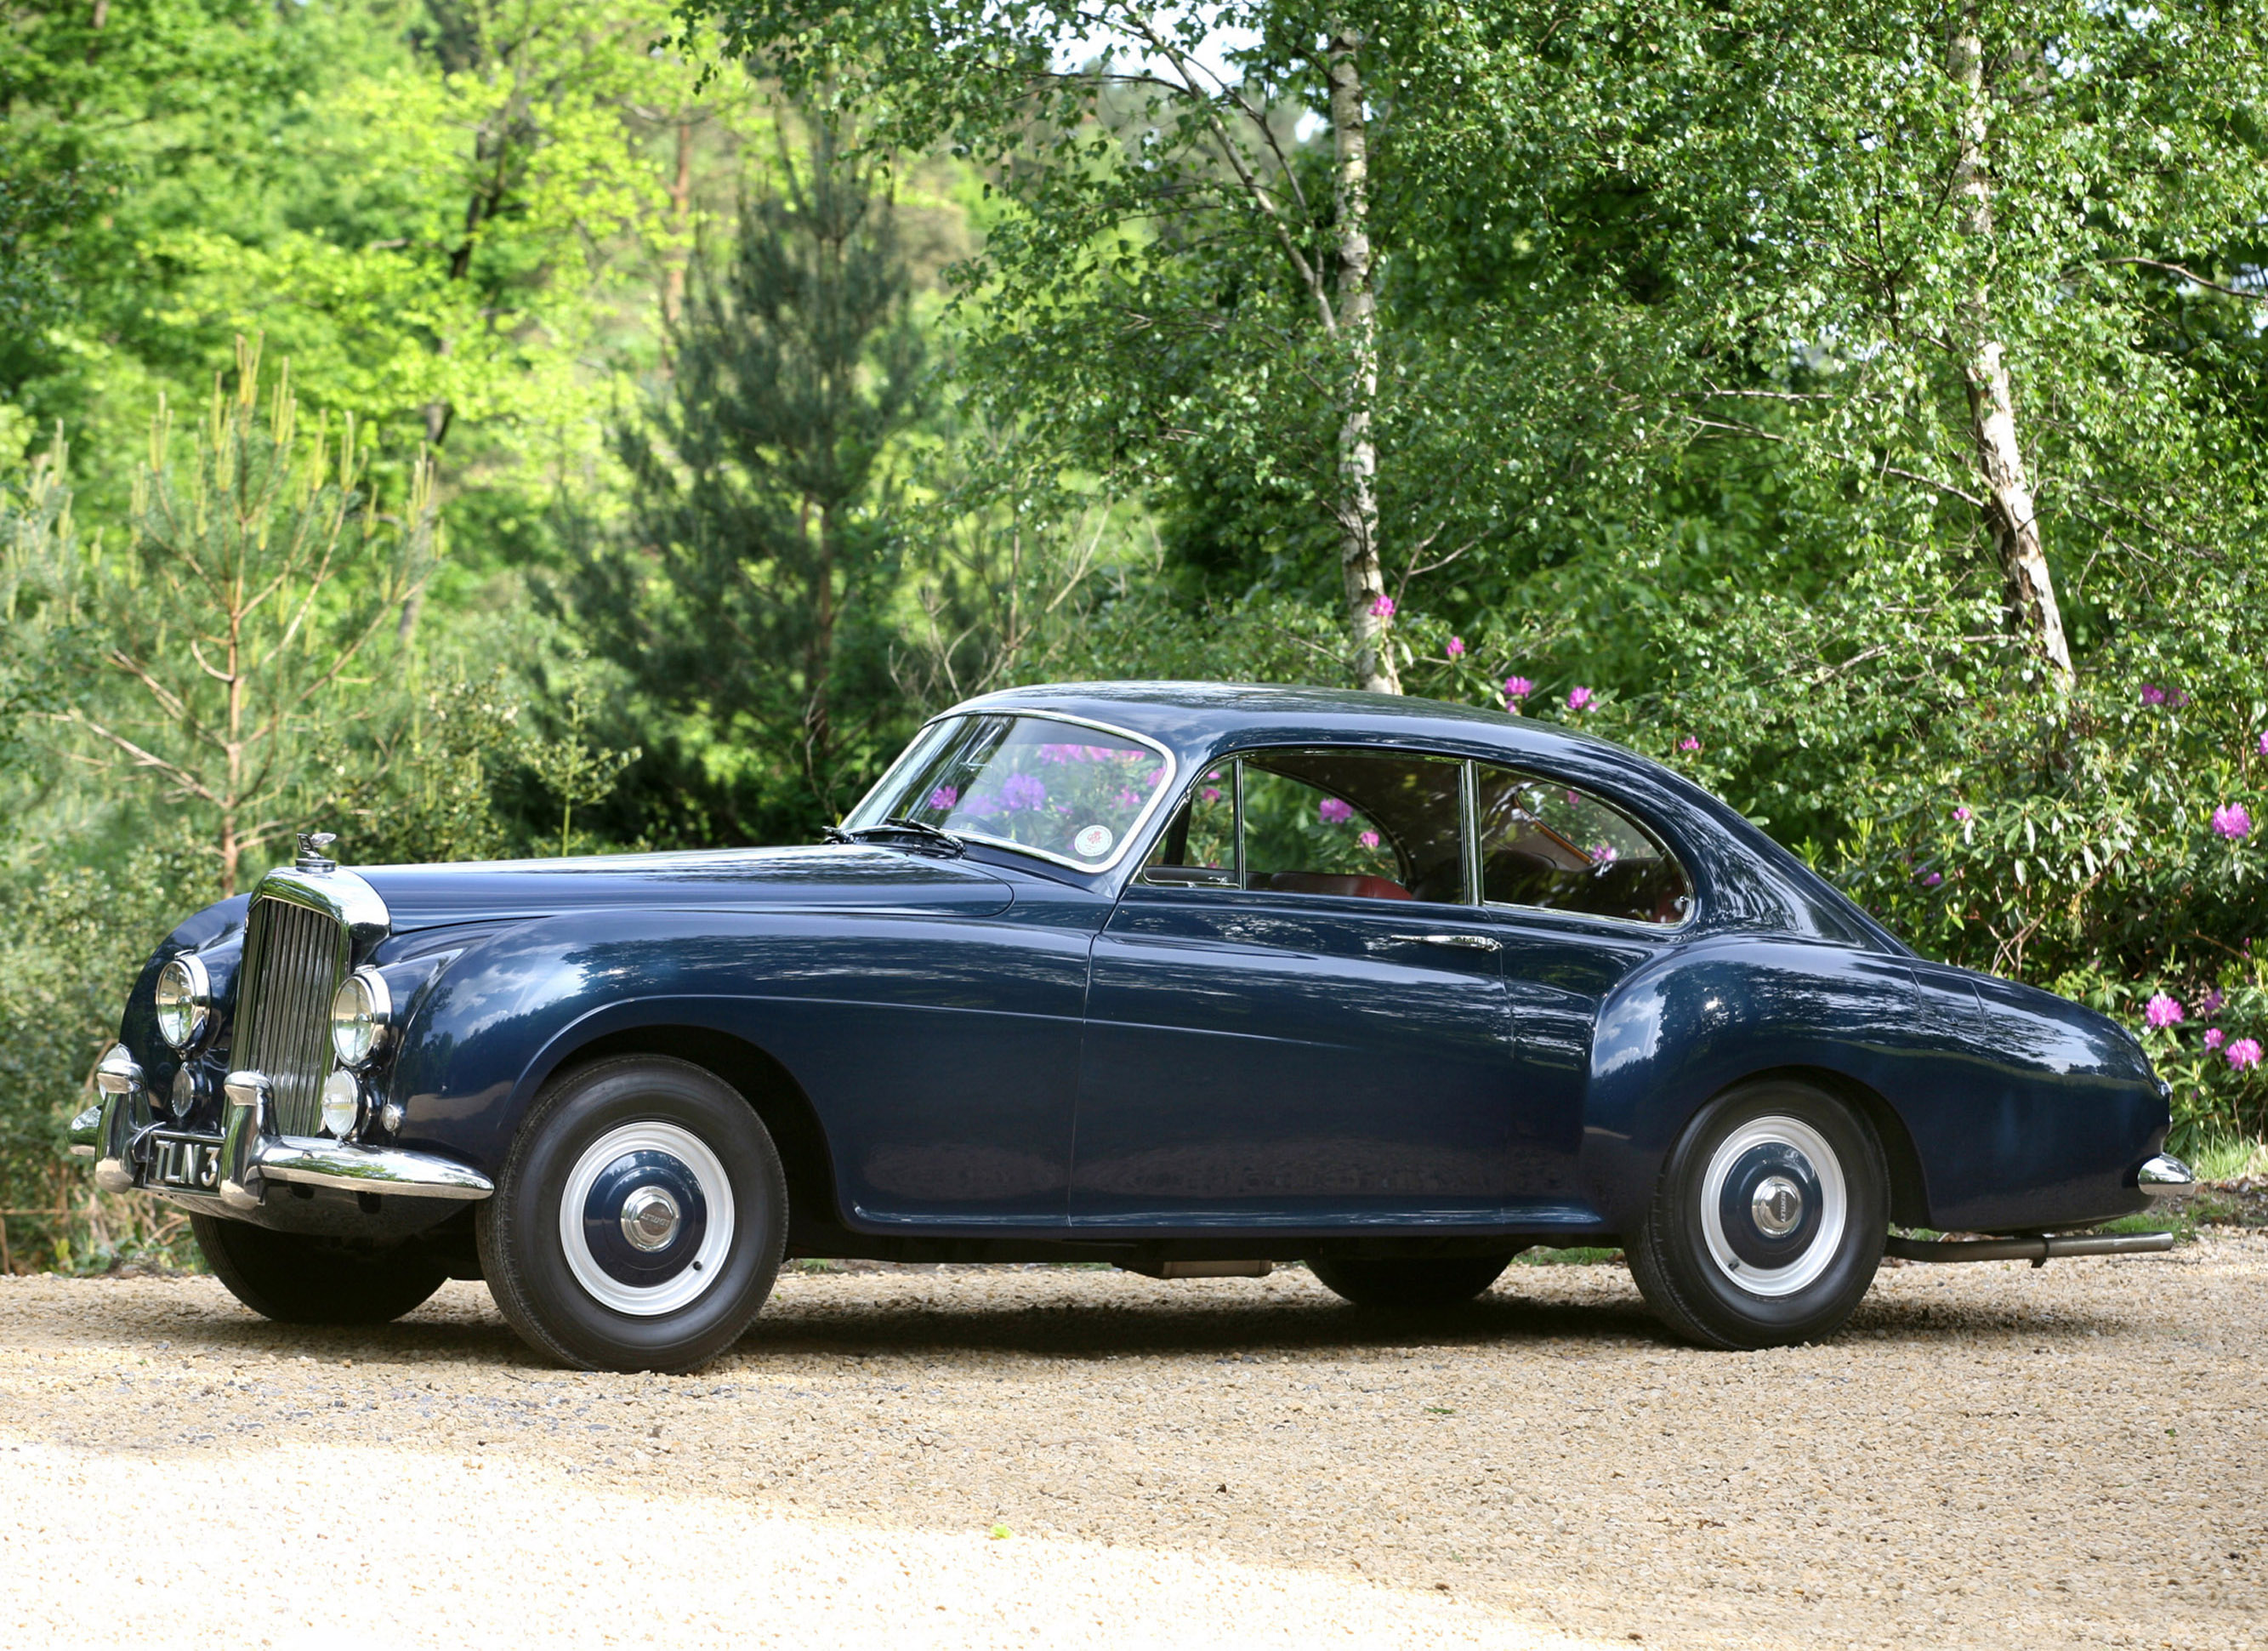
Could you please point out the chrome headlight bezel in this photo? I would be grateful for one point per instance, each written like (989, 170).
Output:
(362, 1019)
(184, 1021)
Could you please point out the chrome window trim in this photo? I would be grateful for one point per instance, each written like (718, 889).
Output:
(1633, 925)
(1133, 834)
(1661, 841)
(1467, 821)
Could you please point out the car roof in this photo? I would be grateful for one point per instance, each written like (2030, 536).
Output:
(1194, 717)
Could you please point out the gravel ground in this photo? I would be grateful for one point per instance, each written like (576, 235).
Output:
(965, 1456)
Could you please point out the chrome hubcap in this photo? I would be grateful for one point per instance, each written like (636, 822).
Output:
(650, 1218)
(646, 1218)
(1776, 1206)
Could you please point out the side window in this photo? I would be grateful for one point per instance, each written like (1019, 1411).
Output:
(1199, 846)
(1378, 825)
(1545, 843)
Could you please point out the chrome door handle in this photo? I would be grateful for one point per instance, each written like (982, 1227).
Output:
(1469, 942)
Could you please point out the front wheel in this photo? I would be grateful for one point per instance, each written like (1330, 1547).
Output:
(295, 1279)
(1768, 1223)
(640, 1219)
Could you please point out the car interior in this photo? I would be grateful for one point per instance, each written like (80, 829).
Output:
(1383, 825)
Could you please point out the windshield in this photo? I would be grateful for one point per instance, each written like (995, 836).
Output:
(1059, 789)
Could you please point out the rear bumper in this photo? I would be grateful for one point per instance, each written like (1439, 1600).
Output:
(235, 1169)
(2164, 1177)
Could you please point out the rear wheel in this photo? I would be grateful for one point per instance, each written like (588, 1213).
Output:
(1768, 1223)
(639, 1221)
(295, 1279)
(1413, 1284)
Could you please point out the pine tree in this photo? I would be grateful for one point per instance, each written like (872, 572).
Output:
(745, 592)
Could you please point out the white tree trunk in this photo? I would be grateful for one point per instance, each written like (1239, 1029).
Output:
(1368, 622)
(2030, 591)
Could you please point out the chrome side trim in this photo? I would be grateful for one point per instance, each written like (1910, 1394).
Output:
(317, 1162)
(2164, 1177)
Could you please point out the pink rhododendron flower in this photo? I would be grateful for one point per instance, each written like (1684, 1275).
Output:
(1579, 699)
(1456, 648)
(1960, 814)
(1211, 793)
(2263, 745)
(2161, 1012)
(2209, 1005)
(2232, 821)
(1518, 688)
(1023, 791)
(1689, 743)
(1333, 812)
(944, 797)
(1382, 608)
(1602, 853)
(2244, 1052)
(1932, 880)
(2212, 1036)
(1368, 839)
(2153, 695)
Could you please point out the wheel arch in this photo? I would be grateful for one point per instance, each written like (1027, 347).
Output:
(1909, 1191)
(767, 1087)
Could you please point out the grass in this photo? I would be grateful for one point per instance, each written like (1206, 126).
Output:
(1579, 1256)
(2230, 1158)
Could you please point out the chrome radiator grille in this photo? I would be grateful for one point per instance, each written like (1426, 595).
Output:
(294, 959)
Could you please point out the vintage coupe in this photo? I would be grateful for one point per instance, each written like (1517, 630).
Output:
(1184, 977)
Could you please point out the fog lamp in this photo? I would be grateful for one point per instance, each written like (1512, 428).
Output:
(341, 1105)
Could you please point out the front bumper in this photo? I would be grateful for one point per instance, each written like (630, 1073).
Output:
(133, 1153)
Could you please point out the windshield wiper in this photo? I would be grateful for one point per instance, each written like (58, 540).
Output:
(920, 830)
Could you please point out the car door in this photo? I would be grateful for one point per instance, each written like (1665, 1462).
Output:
(1296, 1015)
(1582, 894)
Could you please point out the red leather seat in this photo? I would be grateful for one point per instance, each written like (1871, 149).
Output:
(1362, 888)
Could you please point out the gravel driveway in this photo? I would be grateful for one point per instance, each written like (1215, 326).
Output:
(970, 1456)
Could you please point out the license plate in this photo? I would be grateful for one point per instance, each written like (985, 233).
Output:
(187, 1162)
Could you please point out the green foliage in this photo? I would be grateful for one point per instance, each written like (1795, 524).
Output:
(71, 939)
(250, 588)
(39, 551)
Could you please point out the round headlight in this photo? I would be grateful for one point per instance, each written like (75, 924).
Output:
(184, 1000)
(360, 1016)
(342, 1103)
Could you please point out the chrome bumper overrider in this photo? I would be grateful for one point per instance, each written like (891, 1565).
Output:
(127, 1146)
(2164, 1177)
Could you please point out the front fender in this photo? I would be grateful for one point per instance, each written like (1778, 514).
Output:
(938, 1054)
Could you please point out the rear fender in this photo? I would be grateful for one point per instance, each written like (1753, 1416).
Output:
(1703, 1019)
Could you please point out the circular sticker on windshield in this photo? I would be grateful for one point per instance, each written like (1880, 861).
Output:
(1094, 843)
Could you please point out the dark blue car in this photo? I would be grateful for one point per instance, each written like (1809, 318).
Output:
(1191, 979)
